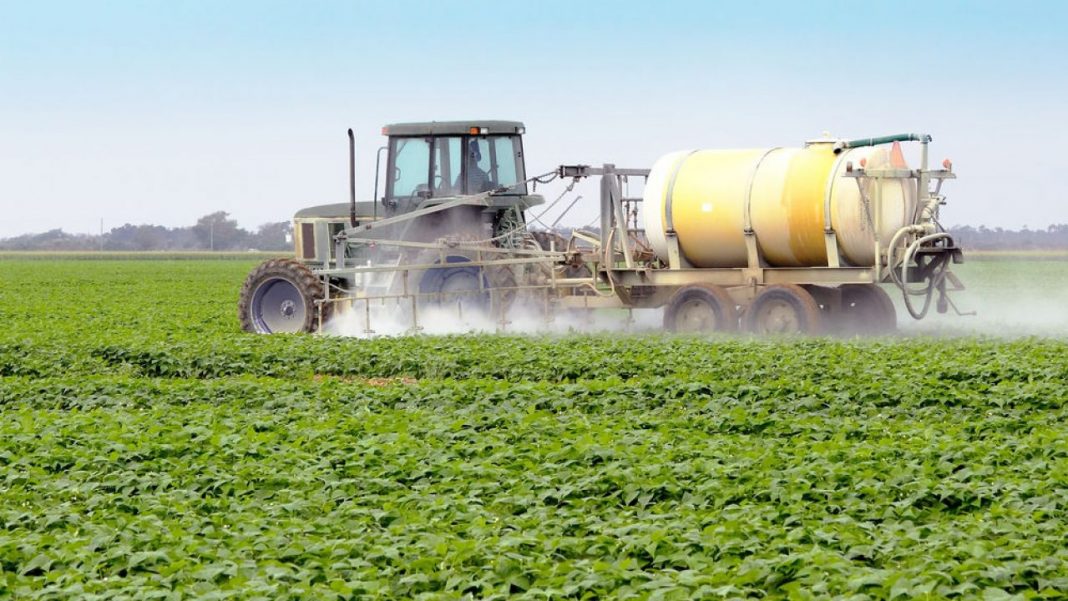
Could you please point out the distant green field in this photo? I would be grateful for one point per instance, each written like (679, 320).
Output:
(54, 255)
(981, 255)
(149, 449)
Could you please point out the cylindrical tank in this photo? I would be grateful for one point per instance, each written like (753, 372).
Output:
(710, 197)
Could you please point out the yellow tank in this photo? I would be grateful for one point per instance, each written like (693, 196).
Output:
(709, 197)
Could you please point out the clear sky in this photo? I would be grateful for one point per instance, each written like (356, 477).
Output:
(160, 112)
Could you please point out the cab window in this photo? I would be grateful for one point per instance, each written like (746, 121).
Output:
(448, 161)
(508, 164)
(478, 166)
(411, 167)
(492, 162)
(452, 165)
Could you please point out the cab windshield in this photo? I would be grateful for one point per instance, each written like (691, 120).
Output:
(431, 167)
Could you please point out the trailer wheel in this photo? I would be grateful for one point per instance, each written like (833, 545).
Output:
(701, 308)
(279, 296)
(784, 309)
(867, 309)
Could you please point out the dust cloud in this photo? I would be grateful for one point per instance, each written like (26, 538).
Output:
(396, 320)
(1010, 298)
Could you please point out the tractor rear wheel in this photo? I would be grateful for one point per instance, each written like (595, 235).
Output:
(503, 287)
(784, 309)
(701, 308)
(279, 296)
(481, 289)
(867, 309)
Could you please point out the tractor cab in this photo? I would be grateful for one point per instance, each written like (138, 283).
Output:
(428, 164)
(438, 160)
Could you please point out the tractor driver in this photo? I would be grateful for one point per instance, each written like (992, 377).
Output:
(476, 179)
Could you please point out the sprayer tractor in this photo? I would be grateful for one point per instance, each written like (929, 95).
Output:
(771, 241)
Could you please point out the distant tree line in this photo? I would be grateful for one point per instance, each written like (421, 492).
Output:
(1054, 237)
(218, 232)
(211, 232)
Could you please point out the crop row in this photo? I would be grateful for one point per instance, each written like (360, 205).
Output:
(342, 488)
(150, 450)
(926, 361)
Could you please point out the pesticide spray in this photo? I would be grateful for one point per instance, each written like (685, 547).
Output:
(392, 319)
(1010, 298)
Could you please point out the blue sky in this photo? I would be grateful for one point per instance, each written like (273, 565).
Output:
(160, 112)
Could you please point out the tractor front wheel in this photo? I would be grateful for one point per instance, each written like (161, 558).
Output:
(280, 296)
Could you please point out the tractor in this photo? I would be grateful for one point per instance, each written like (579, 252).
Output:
(454, 192)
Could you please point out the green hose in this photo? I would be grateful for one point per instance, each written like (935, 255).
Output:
(840, 146)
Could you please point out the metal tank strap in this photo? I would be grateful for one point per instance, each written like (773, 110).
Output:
(840, 158)
(669, 225)
(749, 189)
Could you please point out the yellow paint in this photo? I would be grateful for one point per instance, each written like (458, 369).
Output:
(710, 178)
(801, 208)
(786, 188)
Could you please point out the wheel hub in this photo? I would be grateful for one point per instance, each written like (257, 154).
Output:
(779, 317)
(278, 306)
(288, 309)
(696, 316)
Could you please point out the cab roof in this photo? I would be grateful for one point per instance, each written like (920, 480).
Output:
(444, 128)
(338, 210)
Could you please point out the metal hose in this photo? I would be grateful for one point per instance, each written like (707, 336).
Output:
(902, 282)
(844, 144)
(912, 251)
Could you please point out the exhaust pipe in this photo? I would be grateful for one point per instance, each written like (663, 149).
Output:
(352, 178)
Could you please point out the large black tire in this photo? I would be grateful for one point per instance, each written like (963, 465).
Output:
(701, 308)
(867, 309)
(784, 309)
(279, 296)
(502, 283)
(498, 281)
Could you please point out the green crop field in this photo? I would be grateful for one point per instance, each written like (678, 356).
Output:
(150, 450)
